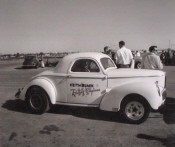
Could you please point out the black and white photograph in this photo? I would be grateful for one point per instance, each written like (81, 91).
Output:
(87, 73)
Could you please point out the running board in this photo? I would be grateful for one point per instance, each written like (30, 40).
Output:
(80, 105)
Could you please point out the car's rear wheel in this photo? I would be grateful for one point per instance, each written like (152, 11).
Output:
(38, 100)
(135, 110)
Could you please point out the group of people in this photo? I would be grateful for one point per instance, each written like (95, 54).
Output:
(168, 57)
(123, 58)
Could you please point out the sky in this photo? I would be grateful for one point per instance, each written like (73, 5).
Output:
(33, 26)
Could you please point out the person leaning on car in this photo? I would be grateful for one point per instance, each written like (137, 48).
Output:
(151, 60)
(123, 56)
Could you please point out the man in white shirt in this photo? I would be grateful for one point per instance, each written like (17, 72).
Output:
(151, 60)
(137, 53)
(123, 56)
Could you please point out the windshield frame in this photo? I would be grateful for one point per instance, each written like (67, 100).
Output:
(107, 66)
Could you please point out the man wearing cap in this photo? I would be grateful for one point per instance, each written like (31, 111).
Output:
(151, 60)
(123, 56)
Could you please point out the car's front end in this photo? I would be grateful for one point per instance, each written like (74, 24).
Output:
(150, 84)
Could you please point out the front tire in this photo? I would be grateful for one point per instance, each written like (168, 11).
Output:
(38, 100)
(135, 110)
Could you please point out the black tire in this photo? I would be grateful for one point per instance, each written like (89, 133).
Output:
(138, 65)
(37, 100)
(135, 109)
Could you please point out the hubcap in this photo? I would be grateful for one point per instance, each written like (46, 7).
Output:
(36, 101)
(134, 110)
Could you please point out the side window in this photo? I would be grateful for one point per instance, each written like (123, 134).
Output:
(85, 65)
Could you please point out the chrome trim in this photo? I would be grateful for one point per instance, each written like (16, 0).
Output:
(158, 89)
(74, 104)
(89, 77)
(44, 76)
(132, 77)
(71, 76)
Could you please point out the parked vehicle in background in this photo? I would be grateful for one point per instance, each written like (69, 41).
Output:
(93, 80)
(31, 61)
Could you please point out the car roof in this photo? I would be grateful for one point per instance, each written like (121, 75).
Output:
(65, 62)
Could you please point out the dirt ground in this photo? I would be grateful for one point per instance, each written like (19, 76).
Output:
(67, 126)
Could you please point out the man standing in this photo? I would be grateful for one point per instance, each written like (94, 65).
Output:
(123, 56)
(151, 60)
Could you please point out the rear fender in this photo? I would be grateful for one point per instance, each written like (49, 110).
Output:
(112, 99)
(44, 83)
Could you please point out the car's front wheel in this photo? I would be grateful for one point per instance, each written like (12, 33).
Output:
(135, 110)
(38, 100)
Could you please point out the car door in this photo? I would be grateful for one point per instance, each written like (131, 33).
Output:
(86, 83)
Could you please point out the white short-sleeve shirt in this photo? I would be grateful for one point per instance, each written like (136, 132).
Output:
(123, 56)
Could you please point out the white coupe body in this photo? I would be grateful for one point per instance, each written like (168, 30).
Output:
(92, 80)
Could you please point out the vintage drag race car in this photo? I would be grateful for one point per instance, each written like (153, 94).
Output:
(93, 80)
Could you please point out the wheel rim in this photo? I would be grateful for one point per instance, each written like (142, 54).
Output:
(134, 110)
(36, 101)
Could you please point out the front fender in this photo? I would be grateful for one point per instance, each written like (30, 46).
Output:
(112, 99)
(44, 83)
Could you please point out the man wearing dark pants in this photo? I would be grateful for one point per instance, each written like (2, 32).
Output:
(123, 56)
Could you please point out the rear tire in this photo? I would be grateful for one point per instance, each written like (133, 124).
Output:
(135, 110)
(38, 100)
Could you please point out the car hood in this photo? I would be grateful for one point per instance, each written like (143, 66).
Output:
(125, 72)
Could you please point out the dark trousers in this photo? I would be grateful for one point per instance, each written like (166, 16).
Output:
(123, 66)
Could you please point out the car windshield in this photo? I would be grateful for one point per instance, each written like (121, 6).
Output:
(107, 63)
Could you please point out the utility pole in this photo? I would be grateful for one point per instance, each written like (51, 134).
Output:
(169, 44)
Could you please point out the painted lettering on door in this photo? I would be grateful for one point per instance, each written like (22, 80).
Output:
(82, 89)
